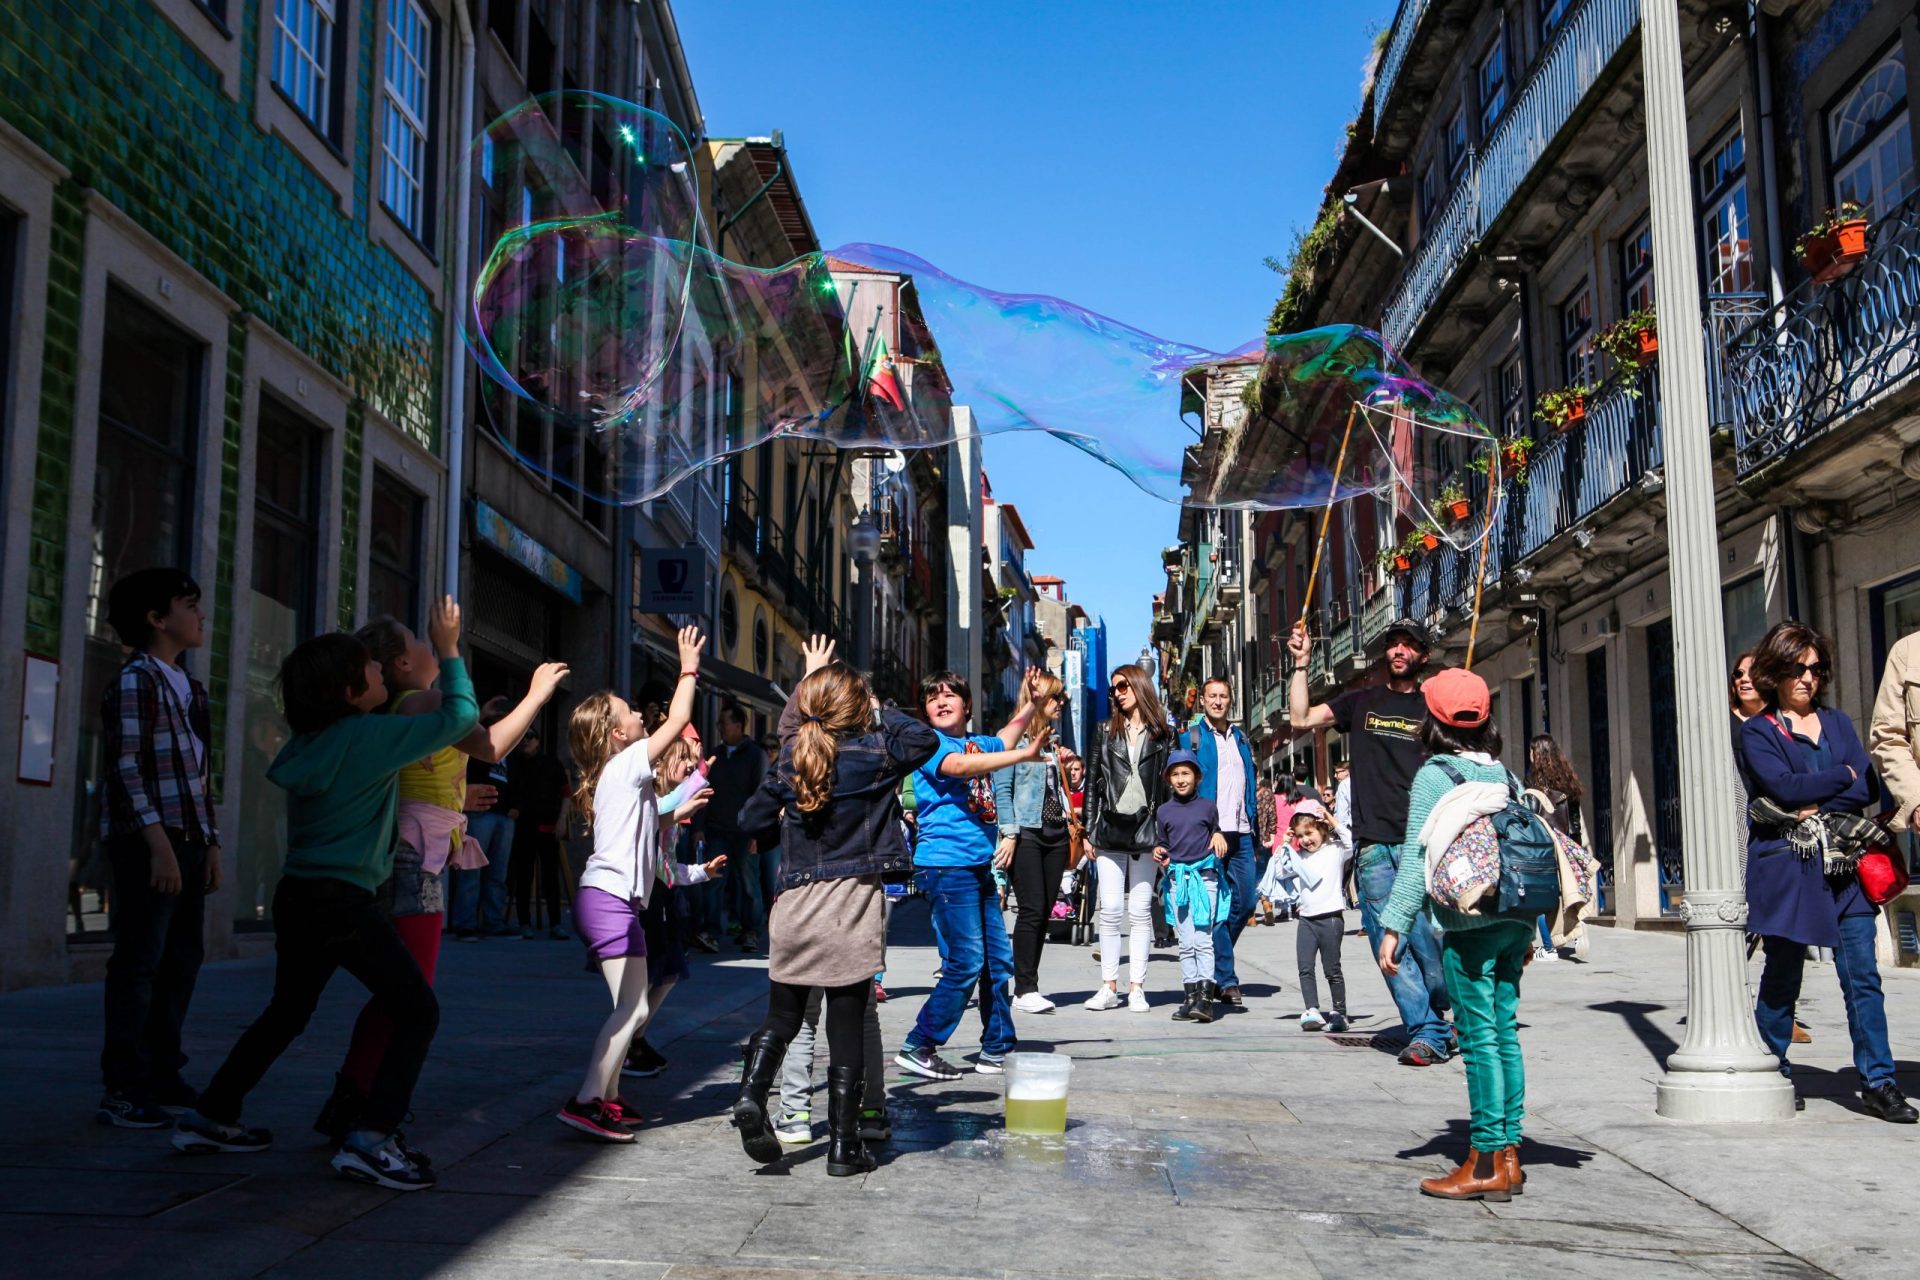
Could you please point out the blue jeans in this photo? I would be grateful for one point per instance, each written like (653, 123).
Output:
(1240, 874)
(1419, 990)
(479, 898)
(973, 940)
(1859, 975)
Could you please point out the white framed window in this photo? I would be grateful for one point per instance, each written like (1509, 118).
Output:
(404, 128)
(1724, 217)
(1513, 390)
(1636, 268)
(1576, 334)
(1491, 76)
(1870, 137)
(1457, 145)
(303, 41)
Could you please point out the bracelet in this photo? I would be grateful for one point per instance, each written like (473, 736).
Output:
(685, 674)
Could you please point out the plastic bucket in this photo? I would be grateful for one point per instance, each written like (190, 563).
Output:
(1037, 1092)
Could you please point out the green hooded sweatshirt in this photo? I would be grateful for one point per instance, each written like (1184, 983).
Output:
(340, 783)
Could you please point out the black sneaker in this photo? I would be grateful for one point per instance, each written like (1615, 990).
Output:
(875, 1125)
(1887, 1102)
(1421, 1054)
(196, 1135)
(124, 1111)
(990, 1064)
(702, 942)
(925, 1062)
(383, 1166)
(593, 1118)
(643, 1060)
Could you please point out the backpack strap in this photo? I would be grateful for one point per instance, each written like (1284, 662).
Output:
(1459, 779)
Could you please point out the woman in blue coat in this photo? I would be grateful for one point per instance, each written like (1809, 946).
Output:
(1807, 759)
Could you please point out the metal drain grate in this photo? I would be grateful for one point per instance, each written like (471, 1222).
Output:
(1353, 1042)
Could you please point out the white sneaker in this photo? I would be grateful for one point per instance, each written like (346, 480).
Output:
(1034, 1002)
(1105, 998)
(1312, 1021)
(1545, 953)
(795, 1129)
(1137, 1000)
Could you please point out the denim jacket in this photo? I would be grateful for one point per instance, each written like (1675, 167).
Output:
(1021, 791)
(1198, 738)
(858, 831)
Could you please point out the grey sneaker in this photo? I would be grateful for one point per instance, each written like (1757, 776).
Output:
(925, 1062)
(990, 1064)
(795, 1128)
(383, 1166)
(196, 1135)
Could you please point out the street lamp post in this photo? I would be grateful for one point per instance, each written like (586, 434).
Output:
(1721, 1070)
(863, 542)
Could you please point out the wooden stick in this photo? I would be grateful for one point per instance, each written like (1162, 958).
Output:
(1480, 573)
(1326, 515)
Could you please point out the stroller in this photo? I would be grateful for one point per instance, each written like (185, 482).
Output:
(1071, 918)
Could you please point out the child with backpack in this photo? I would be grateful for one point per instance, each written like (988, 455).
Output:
(1483, 949)
(1317, 860)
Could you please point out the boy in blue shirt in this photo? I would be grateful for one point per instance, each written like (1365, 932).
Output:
(953, 866)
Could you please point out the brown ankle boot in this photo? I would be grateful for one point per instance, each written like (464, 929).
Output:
(1481, 1176)
(1516, 1180)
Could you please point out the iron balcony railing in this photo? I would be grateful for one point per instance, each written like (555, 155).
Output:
(1829, 350)
(1570, 68)
(1406, 22)
(1573, 475)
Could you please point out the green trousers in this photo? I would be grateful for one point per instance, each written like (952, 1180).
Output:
(1483, 978)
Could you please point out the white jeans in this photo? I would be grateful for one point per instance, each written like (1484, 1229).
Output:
(1126, 884)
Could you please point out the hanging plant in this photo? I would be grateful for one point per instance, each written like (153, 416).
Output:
(1429, 536)
(1390, 560)
(1633, 341)
(1831, 246)
(1564, 409)
(1454, 503)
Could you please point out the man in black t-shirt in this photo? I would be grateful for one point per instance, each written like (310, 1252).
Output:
(1381, 723)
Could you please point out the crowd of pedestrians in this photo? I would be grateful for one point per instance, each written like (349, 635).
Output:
(402, 790)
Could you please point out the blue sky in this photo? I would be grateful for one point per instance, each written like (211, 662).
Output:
(1136, 158)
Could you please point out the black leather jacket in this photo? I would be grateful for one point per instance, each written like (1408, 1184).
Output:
(1108, 770)
(858, 831)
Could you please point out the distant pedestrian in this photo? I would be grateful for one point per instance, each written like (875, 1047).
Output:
(1126, 784)
(477, 896)
(1382, 724)
(1189, 844)
(1318, 863)
(735, 774)
(1553, 788)
(539, 787)
(1806, 830)
(1035, 847)
(1227, 778)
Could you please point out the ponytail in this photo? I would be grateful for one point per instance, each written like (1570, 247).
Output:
(833, 703)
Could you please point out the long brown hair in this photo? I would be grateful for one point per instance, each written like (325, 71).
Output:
(834, 702)
(1144, 697)
(1733, 680)
(1046, 686)
(1548, 766)
(677, 750)
(590, 737)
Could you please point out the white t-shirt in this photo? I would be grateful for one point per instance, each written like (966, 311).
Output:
(1230, 788)
(1322, 874)
(182, 687)
(627, 858)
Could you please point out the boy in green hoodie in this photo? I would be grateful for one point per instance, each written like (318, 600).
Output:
(338, 771)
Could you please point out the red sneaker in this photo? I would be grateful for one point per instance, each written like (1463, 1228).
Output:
(624, 1113)
(594, 1119)
(880, 995)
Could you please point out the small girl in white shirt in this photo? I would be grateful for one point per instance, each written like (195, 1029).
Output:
(1317, 859)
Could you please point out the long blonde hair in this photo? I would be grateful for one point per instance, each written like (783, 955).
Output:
(1047, 686)
(590, 737)
(834, 702)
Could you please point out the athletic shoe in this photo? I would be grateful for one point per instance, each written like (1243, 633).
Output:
(925, 1062)
(880, 995)
(875, 1125)
(1421, 1054)
(559, 934)
(383, 1166)
(750, 945)
(795, 1129)
(1104, 998)
(593, 1118)
(1545, 953)
(196, 1135)
(624, 1114)
(990, 1064)
(702, 942)
(1137, 1000)
(1033, 1002)
(124, 1111)
(1336, 1023)
(643, 1060)
(1312, 1021)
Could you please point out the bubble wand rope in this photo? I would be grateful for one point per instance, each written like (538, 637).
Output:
(1326, 517)
(1480, 572)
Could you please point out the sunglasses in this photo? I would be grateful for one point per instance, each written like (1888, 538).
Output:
(1121, 686)
(1818, 670)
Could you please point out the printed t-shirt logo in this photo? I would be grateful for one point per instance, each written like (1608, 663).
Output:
(1383, 725)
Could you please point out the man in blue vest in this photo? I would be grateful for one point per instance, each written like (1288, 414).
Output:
(1227, 778)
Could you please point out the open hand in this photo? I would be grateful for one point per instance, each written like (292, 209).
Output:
(818, 652)
(546, 678)
(1036, 746)
(1218, 844)
(715, 867)
(693, 804)
(691, 643)
(443, 628)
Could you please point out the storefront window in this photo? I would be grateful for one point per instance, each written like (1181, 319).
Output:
(393, 551)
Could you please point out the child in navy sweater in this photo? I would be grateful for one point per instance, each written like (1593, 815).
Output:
(1190, 846)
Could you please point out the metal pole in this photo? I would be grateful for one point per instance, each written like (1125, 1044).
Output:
(1721, 1071)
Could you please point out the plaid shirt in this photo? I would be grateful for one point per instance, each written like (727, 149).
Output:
(151, 775)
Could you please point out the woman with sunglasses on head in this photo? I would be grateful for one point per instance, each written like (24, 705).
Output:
(1126, 784)
(1809, 789)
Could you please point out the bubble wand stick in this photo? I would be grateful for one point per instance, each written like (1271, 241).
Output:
(1326, 517)
(1480, 573)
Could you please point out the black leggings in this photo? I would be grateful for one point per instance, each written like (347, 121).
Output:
(1320, 936)
(535, 850)
(846, 1009)
(1037, 867)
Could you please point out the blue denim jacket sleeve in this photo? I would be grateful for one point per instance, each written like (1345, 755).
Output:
(1003, 801)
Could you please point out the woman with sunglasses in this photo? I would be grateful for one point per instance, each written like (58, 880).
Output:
(1126, 783)
(1807, 760)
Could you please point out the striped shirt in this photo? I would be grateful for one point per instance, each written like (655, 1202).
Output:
(154, 774)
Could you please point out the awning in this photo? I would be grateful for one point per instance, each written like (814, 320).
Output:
(743, 684)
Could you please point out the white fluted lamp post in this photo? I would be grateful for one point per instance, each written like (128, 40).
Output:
(1721, 1071)
(863, 544)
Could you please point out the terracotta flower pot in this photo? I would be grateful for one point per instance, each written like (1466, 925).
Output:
(1851, 238)
(1459, 510)
(1515, 459)
(1402, 562)
(1818, 255)
(1431, 541)
(1649, 345)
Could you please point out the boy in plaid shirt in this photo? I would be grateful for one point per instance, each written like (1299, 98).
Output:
(156, 819)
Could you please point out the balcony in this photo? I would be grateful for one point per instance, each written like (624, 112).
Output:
(1829, 351)
(1576, 61)
(1573, 475)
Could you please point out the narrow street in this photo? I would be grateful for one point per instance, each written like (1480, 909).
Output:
(1240, 1148)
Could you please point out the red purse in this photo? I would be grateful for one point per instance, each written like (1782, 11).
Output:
(1883, 875)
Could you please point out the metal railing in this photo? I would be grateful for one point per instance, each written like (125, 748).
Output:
(1562, 78)
(1575, 474)
(1730, 321)
(1406, 23)
(1828, 350)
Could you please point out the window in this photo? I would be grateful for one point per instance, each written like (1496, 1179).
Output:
(1870, 138)
(1636, 268)
(1457, 147)
(761, 645)
(729, 621)
(304, 38)
(1728, 227)
(393, 550)
(1553, 16)
(1492, 79)
(1743, 613)
(404, 129)
(1429, 195)
(1576, 335)
(1513, 391)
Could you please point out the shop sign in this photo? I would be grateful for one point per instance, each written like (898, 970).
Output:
(519, 546)
(673, 580)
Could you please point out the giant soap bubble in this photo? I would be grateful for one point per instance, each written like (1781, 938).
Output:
(634, 356)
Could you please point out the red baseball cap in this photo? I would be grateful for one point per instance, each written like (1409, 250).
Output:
(1457, 697)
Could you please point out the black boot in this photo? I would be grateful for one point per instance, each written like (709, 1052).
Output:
(340, 1114)
(764, 1054)
(1203, 1006)
(1887, 1103)
(846, 1153)
(1185, 1012)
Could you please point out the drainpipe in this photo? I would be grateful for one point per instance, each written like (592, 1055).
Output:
(1760, 59)
(456, 312)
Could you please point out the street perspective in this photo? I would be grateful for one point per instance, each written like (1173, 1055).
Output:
(706, 639)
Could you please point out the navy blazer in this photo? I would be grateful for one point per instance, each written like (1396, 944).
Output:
(1787, 896)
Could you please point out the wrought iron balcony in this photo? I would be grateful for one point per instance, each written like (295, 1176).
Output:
(1573, 475)
(1406, 23)
(1828, 351)
(1571, 67)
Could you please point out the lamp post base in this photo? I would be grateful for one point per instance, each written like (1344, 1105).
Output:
(1724, 1097)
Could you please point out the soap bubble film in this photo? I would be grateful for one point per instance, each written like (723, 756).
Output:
(632, 356)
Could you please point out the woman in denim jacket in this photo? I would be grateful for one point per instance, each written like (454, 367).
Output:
(1036, 820)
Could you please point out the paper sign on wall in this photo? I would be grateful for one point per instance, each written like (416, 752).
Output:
(37, 701)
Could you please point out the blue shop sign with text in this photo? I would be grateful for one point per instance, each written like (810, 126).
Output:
(519, 546)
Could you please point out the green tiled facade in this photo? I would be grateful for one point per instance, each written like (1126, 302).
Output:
(132, 109)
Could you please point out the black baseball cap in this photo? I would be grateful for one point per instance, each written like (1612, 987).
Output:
(1414, 631)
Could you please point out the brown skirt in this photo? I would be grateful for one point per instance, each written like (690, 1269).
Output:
(828, 933)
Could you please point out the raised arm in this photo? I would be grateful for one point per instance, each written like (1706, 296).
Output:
(1301, 713)
(966, 764)
(1016, 724)
(495, 742)
(397, 740)
(680, 710)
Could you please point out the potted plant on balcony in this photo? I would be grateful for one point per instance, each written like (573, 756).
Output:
(1453, 502)
(1633, 340)
(1564, 409)
(1514, 451)
(1831, 246)
(1429, 536)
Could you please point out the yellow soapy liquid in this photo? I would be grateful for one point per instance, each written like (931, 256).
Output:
(1036, 1115)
